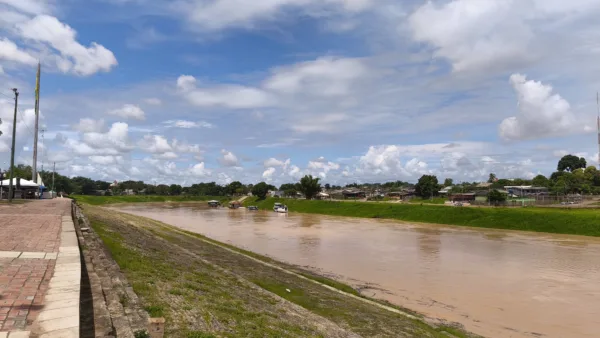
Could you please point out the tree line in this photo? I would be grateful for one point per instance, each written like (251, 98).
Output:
(572, 176)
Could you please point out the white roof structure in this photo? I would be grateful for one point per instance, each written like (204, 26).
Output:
(24, 183)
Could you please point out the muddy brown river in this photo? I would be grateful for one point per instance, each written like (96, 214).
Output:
(496, 283)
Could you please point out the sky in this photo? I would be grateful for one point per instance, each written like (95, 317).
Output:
(189, 91)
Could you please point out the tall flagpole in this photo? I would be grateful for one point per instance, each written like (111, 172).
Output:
(598, 105)
(37, 116)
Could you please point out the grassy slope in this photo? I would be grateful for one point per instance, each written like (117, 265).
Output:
(562, 221)
(205, 290)
(102, 200)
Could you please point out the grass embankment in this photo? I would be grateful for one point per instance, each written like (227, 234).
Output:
(205, 290)
(562, 221)
(103, 200)
(435, 200)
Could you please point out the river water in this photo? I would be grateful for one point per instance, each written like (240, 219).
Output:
(496, 283)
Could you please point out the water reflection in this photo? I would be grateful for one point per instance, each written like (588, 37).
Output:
(496, 283)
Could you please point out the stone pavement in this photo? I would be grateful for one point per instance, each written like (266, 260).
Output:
(40, 270)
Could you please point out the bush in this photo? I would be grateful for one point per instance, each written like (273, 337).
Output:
(496, 197)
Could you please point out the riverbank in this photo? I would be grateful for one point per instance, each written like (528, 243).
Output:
(551, 220)
(205, 288)
(104, 200)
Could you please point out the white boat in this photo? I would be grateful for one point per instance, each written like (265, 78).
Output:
(280, 208)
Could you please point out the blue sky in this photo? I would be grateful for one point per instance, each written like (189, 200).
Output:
(187, 91)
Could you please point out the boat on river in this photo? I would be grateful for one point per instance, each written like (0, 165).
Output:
(253, 208)
(280, 208)
(214, 204)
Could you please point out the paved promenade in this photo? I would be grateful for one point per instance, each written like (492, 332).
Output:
(40, 270)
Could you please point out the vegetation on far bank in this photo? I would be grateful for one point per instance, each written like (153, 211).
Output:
(102, 200)
(205, 290)
(552, 220)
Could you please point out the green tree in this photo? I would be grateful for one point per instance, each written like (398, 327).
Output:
(260, 190)
(540, 181)
(570, 163)
(492, 178)
(162, 189)
(427, 186)
(175, 190)
(310, 186)
(232, 188)
(496, 196)
(448, 182)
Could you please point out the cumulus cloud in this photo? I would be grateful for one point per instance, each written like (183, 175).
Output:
(198, 170)
(474, 34)
(155, 144)
(273, 162)
(541, 112)
(326, 76)
(87, 125)
(114, 142)
(106, 160)
(9, 51)
(229, 159)
(184, 124)
(221, 95)
(73, 57)
(323, 165)
(129, 111)
(268, 174)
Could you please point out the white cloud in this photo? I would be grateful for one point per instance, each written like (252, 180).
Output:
(324, 165)
(273, 162)
(73, 56)
(155, 144)
(199, 170)
(326, 76)
(474, 34)
(9, 51)
(29, 6)
(219, 15)
(87, 125)
(187, 124)
(113, 142)
(129, 111)
(541, 113)
(106, 160)
(221, 96)
(268, 174)
(153, 101)
(229, 159)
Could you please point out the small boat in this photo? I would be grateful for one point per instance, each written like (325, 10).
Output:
(235, 205)
(282, 209)
(253, 208)
(214, 204)
(277, 206)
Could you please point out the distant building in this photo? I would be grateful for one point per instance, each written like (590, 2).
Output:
(525, 190)
(466, 197)
(351, 193)
(278, 193)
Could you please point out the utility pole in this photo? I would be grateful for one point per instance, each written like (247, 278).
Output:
(12, 150)
(37, 116)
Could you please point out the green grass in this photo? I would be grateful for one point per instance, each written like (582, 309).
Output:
(562, 221)
(435, 200)
(103, 200)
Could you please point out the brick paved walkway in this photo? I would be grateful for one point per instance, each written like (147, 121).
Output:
(30, 237)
